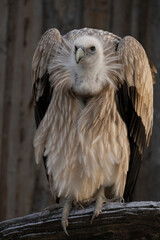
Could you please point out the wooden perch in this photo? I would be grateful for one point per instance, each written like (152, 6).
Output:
(121, 221)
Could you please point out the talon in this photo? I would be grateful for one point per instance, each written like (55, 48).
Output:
(95, 214)
(93, 217)
(50, 208)
(122, 200)
(65, 214)
(44, 211)
(98, 208)
(64, 224)
(99, 203)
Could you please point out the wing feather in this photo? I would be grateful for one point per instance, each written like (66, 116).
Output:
(135, 104)
(42, 91)
(44, 53)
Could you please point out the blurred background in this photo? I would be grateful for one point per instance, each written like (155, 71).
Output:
(23, 185)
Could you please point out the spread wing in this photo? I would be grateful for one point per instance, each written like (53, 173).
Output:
(44, 53)
(135, 104)
(42, 91)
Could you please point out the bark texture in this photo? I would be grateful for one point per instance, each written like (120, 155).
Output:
(136, 220)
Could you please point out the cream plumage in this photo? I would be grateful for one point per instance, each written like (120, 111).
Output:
(93, 95)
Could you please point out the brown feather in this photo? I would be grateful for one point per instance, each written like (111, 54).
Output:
(135, 103)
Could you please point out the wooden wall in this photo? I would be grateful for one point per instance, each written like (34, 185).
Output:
(23, 185)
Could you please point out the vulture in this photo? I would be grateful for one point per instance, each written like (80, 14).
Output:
(93, 102)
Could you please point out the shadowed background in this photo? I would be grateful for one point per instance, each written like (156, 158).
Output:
(23, 185)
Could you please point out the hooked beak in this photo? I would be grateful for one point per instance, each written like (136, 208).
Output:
(80, 53)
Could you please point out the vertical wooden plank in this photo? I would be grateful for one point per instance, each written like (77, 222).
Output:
(95, 14)
(135, 16)
(17, 166)
(3, 56)
(62, 14)
(68, 14)
(3, 136)
(13, 134)
(24, 122)
(28, 34)
(154, 53)
(7, 106)
(122, 17)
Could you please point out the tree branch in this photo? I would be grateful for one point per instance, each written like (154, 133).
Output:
(121, 221)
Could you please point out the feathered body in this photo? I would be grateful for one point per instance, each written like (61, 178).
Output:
(94, 111)
(81, 154)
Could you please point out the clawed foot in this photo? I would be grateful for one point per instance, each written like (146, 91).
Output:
(100, 199)
(65, 214)
(66, 210)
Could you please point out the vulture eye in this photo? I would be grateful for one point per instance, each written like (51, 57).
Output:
(92, 49)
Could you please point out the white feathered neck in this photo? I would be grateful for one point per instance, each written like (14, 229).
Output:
(92, 74)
